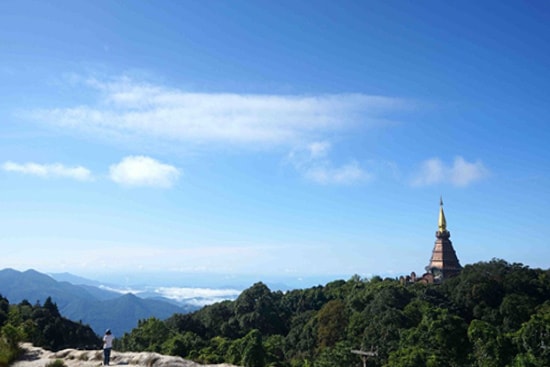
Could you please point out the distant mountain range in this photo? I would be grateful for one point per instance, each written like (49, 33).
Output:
(80, 299)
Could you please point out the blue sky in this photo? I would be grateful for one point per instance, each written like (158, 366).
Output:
(272, 138)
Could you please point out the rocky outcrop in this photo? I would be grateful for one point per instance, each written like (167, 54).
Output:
(38, 357)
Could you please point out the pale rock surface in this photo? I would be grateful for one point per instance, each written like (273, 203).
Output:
(38, 357)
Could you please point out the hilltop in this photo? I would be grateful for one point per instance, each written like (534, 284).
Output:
(492, 313)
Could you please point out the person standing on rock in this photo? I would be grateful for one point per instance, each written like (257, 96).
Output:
(107, 346)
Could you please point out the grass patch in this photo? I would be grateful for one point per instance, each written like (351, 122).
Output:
(8, 354)
(56, 363)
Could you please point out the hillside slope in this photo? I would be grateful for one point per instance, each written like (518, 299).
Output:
(96, 307)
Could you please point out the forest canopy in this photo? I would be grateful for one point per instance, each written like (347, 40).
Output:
(492, 314)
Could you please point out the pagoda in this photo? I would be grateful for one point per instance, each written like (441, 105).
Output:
(444, 263)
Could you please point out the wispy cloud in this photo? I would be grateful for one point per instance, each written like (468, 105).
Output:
(318, 149)
(126, 107)
(347, 174)
(143, 171)
(198, 296)
(55, 170)
(183, 295)
(461, 173)
(313, 163)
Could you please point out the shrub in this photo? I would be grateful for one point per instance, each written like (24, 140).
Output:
(9, 345)
(56, 363)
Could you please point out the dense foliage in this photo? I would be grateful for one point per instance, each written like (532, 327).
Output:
(492, 314)
(41, 325)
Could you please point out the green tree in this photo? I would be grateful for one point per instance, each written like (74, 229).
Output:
(274, 347)
(332, 323)
(412, 356)
(148, 336)
(442, 335)
(301, 340)
(182, 344)
(234, 354)
(338, 355)
(214, 320)
(253, 352)
(11, 335)
(258, 308)
(490, 348)
(4, 310)
(533, 339)
(51, 307)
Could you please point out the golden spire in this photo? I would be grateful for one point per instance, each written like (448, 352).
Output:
(442, 223)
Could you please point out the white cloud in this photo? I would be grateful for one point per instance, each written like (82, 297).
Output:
(195, 296)
(198, 296)
(125, 290)
(344, 175)
(461, 173)
(313, 163)
(131, 108)
(49, 170)
(143, 171)
(431, 172)
(319, 149)
(464, 173)
(304, 155)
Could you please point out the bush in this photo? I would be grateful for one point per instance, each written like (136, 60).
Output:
(8, 354)
(10, 337)
(56, 363)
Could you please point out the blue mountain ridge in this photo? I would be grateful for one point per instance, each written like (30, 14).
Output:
(97, 307)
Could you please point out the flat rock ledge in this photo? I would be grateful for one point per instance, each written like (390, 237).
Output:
(38, 357)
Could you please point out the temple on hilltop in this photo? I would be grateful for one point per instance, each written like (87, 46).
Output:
(443, 264)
